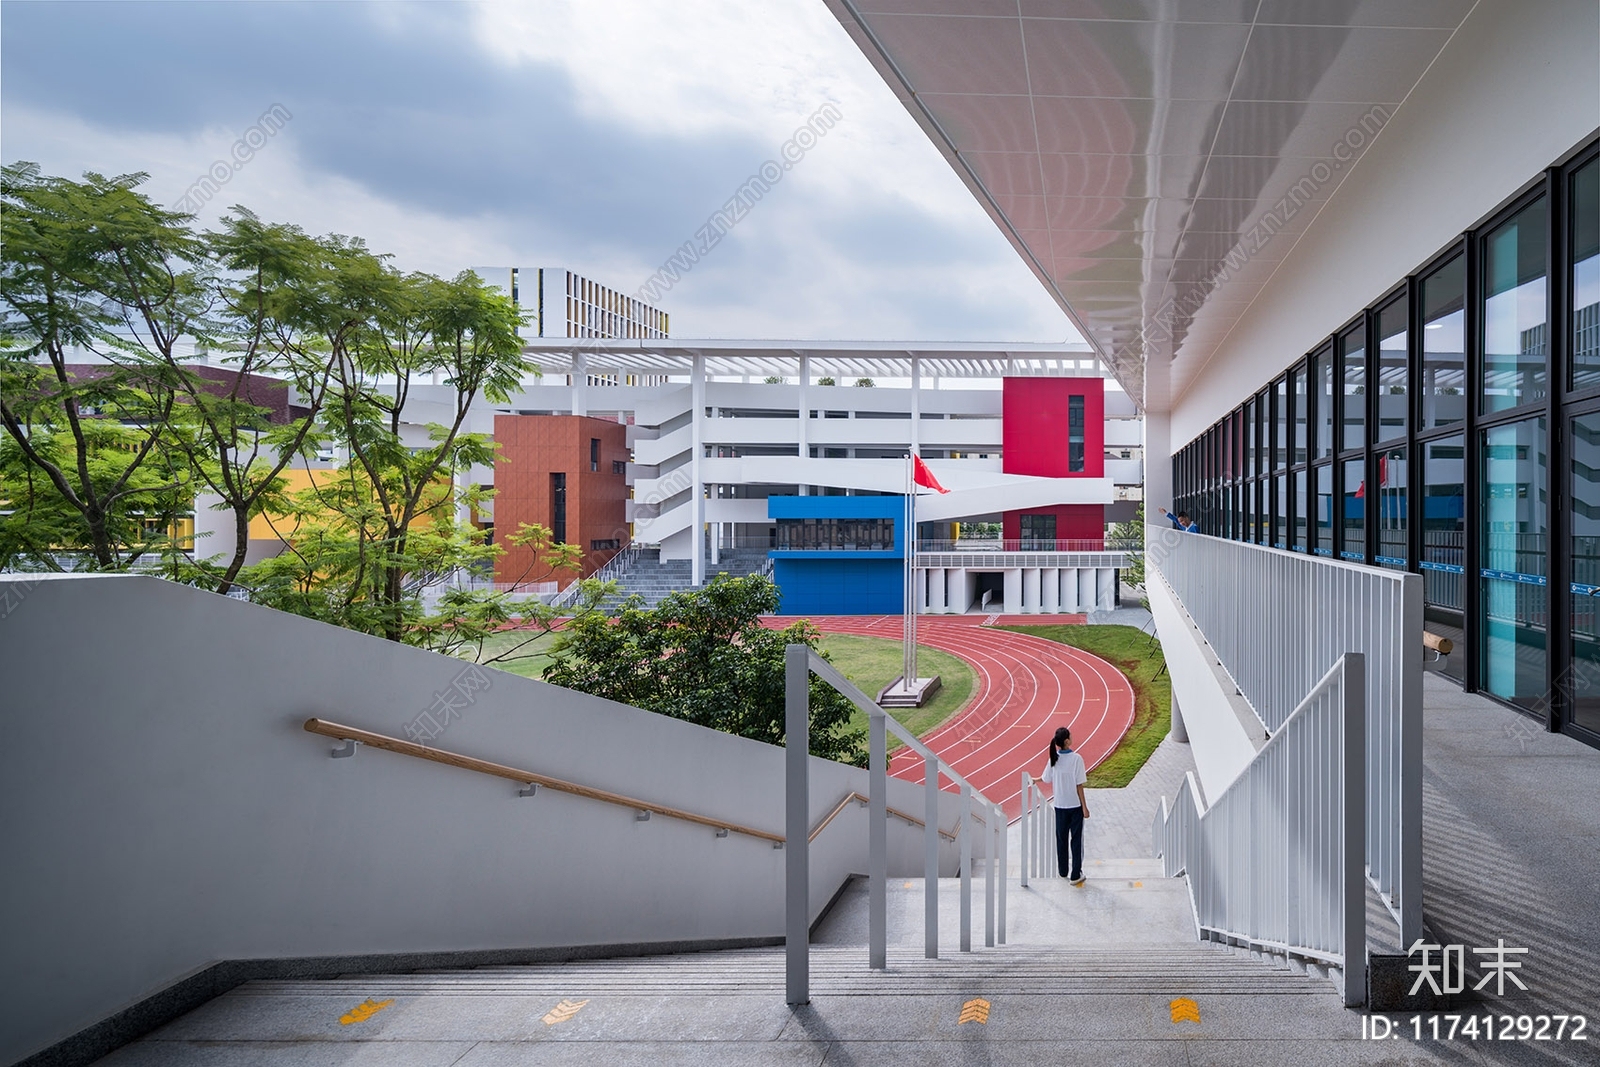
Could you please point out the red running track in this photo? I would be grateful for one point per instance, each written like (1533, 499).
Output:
(1027, 687)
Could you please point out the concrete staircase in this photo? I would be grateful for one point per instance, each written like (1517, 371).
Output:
(651, 578)
(1110, 973)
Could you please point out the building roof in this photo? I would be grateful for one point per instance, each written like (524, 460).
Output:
(1153, 163)
(841, 359)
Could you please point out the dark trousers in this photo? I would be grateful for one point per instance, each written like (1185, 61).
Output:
(1069, 834)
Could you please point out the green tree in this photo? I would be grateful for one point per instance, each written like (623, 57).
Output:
(865, 383)
(365, 540)
(269, 291)
(1132, 532)
(75, 257)
(825, 380)
(704, 656)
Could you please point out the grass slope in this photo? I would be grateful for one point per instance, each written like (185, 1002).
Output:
(873, 662)
(1132, 652)
(527, 651)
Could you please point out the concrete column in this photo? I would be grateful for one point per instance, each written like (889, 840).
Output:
(1105, 580)
(957, 601)
(697, 491)
(1069, 589)
(805, 411)
(1179, 733)
(1030, 590)
(1050, 590)
(1086, 599)
(1013, 601)
(916, 405)
(937, 589)
(580, 383)
(716, 532)
(1157, 462)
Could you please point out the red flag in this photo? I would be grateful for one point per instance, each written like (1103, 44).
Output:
(923, 476)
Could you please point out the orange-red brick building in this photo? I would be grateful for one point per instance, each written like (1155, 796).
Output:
(567, 473)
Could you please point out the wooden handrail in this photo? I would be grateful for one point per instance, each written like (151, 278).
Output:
(500, 770)
(896, 812)
(1438, 643)
(340, 732)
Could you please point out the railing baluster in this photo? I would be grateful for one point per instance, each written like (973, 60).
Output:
(878, 846)
(966, 867)
(1022, 829)
(930, 857)
(991, 852)
(797, 802)
(1001, 833)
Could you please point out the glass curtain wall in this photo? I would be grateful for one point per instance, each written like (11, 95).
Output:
(1421, 437)
(1584, 547)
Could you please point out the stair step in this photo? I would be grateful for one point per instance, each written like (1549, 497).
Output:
(842, 970)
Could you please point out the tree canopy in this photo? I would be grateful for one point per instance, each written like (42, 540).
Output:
(704, 656)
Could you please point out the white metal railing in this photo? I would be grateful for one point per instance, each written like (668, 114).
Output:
(614, 568)
(1036, 832)
(1275, 862)
(1277, 621)
(800, 662)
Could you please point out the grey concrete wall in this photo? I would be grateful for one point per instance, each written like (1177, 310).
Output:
(163, 808)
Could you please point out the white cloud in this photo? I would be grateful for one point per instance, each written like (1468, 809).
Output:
(686, 70)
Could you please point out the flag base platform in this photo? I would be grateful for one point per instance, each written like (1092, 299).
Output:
(899, 695)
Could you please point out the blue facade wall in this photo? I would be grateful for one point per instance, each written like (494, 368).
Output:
(867, 586)
(840, 582)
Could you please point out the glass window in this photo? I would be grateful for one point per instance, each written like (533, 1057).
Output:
(1390, 512)
(1394, 376)
(1300, 512)
(1280, 425)
(1444, 359)
(1585, 636)
(1321, 531)
(1250, 438)
(1586, 276)
(1353, 511)
(1280, 513)
(1075, 439)
(1513, 564)
(1322, 375)
(816, 535)
(1514, 332)
(1444, 532)
(1300, 414)
(1353, 374)
(1038, 532)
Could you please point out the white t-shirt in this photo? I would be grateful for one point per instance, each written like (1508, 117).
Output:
(1064, 778)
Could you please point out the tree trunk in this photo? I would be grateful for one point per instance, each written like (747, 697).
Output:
(241, 547)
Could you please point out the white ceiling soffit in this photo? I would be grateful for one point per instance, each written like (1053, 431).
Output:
(1153, 161)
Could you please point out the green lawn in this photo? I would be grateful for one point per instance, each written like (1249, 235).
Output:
(870, 662)
(873, 662)
(526, 651)
(1131, 651)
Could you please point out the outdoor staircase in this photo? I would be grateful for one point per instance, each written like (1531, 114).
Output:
(1105, 972)
(652, 578)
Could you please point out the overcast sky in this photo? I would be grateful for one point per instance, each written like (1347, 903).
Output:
(594, 135)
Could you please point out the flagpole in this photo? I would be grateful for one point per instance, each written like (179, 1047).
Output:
(909, 666)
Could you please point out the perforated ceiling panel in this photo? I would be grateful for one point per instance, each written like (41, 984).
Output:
(1153, 160)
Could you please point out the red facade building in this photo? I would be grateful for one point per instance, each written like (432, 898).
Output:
(567, 473)
(1054, 428)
